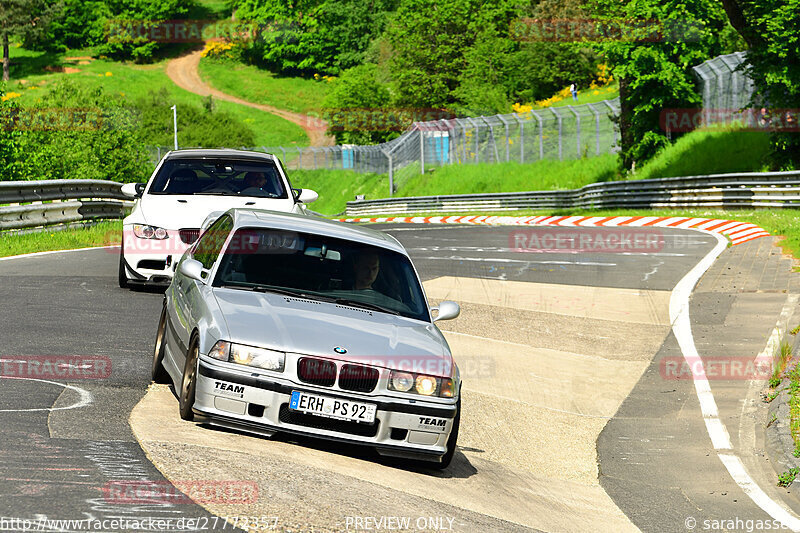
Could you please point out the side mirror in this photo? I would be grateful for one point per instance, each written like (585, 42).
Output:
(133, 190)
(193, 269)
(307, 196)
(447, 310)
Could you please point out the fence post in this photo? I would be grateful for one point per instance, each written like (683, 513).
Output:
(508, 154)
(283, 151)
(299, 159)
(560, 131)
(596, 114)
(577, 129)
(421, 152)
(477, 146)
(521, 138)
(391, 172)
(540, 121)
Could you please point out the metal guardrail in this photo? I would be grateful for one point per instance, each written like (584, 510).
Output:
(740, 190)
(48, 202)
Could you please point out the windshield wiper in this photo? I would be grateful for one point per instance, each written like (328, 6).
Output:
(366, 305)
(277, 290)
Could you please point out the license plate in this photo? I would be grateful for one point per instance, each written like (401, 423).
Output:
(332, 407)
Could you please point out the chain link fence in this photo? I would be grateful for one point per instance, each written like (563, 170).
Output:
(566, 132)
(725, 87)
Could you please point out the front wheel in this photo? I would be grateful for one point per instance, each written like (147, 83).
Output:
(447, 458)
(157, 372)
(189, 381)
(122, 275)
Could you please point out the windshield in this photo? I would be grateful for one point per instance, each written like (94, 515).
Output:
(322, 268)
(223, 177)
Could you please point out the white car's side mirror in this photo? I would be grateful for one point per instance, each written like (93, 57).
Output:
(133, 190)
(307, 196)
(447, 310)
(193, 269)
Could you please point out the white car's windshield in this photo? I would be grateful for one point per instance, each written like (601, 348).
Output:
(324, 268)
(223, 177)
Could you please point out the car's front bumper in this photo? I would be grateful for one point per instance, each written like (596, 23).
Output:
(151, 260)
(259, 404)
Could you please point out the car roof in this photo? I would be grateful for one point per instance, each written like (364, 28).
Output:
(260, 218)
(218, 153)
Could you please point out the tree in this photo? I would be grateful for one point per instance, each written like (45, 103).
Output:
(313, 36)
(22, 18)
(770, 28)
(654, 69)
(355, 107)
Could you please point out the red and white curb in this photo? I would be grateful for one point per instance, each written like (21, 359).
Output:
(736, 232)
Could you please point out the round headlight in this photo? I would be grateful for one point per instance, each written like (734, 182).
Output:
(147, 231)
(426, 385)
(402, 381)
(161, 233)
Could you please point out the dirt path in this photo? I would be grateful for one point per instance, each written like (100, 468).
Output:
(184, 72)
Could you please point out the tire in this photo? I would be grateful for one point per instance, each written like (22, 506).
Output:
(447, 458)
(158, 372)
(189, 381)
(123, 277)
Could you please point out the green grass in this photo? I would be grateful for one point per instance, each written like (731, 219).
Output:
(337, 187)
(710, 151)
(263, 87)
(135, 81)
(100, 234)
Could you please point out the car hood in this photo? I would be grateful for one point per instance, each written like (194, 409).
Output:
(189, 211)
(315, 328)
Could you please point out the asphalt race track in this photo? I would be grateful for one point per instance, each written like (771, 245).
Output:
(575, 343)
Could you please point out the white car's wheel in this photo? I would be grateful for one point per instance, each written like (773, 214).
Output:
(123, 276)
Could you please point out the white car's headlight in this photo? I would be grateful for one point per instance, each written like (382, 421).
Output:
(143, 231)
(248, 355)
(421, 384)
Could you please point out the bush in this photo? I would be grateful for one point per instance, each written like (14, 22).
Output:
(206, 126)
(73, 133)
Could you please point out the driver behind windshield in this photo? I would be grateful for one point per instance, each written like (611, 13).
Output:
(366, 268)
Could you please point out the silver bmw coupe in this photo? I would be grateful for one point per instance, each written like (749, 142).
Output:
(286, 323)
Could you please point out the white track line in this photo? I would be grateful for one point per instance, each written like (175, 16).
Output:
(36, 254)
(681, 327)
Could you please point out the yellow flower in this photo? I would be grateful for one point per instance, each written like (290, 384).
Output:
(109, 74)
(595, 92)
(9, 96)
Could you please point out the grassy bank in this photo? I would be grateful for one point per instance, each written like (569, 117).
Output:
(100, 234)
(32, 72)
(263, 87)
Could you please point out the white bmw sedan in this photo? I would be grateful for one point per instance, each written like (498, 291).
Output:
(187, 186)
